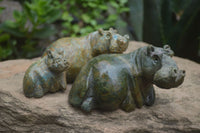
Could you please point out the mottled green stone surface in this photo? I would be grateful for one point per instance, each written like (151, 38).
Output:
(46, 75)
(125, 81)
(80, 50)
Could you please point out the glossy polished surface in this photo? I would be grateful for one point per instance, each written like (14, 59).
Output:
(80, 50)
(46, 75)
(125, 81)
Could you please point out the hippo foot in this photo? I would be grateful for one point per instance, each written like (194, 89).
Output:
(87, 104)
(128, 104)
(38, 92)
(150, 99)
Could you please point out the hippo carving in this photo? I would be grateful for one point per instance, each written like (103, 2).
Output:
(125, 81)
(46, 75)
(80, 50)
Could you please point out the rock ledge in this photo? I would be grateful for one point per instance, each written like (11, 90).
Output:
(175, 110)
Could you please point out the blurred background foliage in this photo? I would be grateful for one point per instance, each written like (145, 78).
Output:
(159, 22)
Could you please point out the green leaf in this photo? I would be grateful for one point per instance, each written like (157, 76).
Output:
(86, 30)
(86, 18)
(12, 29)
(103, 7)
(67, 17)
(66, 24)
(75, 28)
(91, 4)
(124, 9)
(1, 9)
(112, 17)
(5, 52)
(4, 37)
(16, 14)
(93, 22)
(53, 16)
(114, 4)
(30, 14)
(9, 24)
(123, 2)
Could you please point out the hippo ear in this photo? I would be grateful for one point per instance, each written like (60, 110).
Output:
(150, 49)
(166, 47)
(168, 50)
(126, 36)
(100, 31)
(112, 30)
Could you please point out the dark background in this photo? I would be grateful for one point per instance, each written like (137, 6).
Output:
(28, 26)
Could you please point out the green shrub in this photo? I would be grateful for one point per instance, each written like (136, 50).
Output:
(19, 38)
(81, 17)
(34, 22)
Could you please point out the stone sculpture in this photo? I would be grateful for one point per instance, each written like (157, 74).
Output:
(80, 50)
(125, 81)
(46, 75)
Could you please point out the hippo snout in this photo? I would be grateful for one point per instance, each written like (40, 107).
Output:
(167, 77)
(179, 77)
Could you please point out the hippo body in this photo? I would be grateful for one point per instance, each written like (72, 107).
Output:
(125, 81)
(46, 75)
(80, 50)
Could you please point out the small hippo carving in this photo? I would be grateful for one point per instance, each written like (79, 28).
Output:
(125, 81)
(46, 75)
(80, 50)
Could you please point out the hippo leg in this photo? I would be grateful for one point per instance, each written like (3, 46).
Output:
(128, 104)
(38, 91)
(150, 98)
(88, 104)
(136, 93)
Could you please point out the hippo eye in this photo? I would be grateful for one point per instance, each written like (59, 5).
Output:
(108, 35)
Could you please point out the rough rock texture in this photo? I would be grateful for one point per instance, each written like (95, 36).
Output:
(176, 110)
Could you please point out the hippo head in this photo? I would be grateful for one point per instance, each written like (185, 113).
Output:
(168, 76)
(110, 42)
(159, 67)
(56, 61)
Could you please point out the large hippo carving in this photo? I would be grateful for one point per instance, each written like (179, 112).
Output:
(125, 81)
(80, 50)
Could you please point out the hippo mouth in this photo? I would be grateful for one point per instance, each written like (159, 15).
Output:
(115, 50)
(167, 78)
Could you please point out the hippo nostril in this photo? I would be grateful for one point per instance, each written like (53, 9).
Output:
(183, 71)
(175, 71)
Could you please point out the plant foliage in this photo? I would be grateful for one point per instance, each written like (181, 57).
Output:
(81, 17)
(34, 22)
(38, 18)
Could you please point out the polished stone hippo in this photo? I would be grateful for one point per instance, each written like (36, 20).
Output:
(80, 50)
(125, 81)
(46, 75)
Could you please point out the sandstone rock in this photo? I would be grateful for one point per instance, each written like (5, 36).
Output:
(175, 110)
